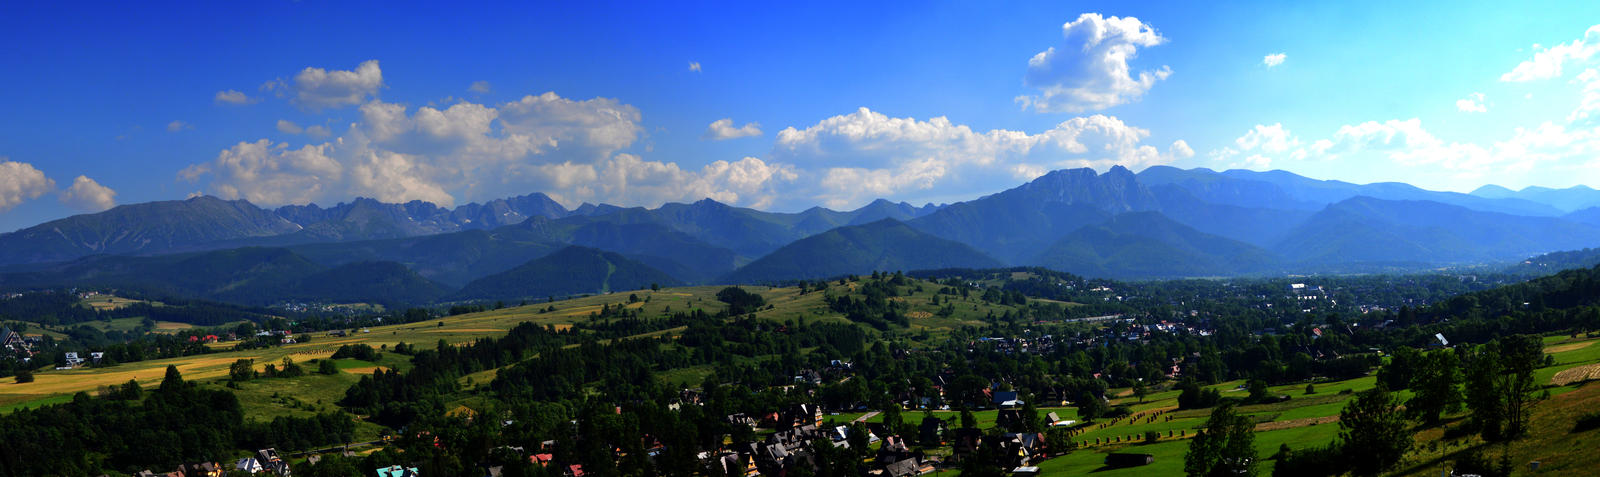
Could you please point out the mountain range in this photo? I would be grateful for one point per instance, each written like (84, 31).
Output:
(1162, 222)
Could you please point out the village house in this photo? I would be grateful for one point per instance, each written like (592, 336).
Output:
(894, 449)
(802, 415)
(249, 465)
(270, 460)
(904, 468)
(202, 469)
(12, 341)
(72, 361)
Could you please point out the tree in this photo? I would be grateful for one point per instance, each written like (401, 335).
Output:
(1521, 355)
(1226, 447)
(24, 376)
(1192, 396)
(290, 369)
(1500, 385)
(1030, 417)
(1258, 391)
(1090, 406)
(1483, 393)
(1140, 391)
(967, 389)
(130, 391)
(1373, 433)
(1059, 440)
(740, 301)
(242, 370)
(1438, 387)
(892, 419)
(1402, 367)
(173, 381)
(968, 421)
(327, 367)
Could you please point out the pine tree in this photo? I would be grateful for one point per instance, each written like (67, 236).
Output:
(1438, 387)
(1226, 447)
(173, 381)
(1373, 433)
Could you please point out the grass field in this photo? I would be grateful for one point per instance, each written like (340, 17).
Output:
(109, 302)
(1312, 420)
(266, 398)
(131, 323)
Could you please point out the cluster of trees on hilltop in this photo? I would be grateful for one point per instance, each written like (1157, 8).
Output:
(61, 308)
(133, 429)
(394, 398)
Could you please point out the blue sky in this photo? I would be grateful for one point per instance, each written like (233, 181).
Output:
(829, 104)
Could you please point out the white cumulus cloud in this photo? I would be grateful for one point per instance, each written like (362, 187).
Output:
(88, 195)
(176, 126)
(289, 127)
(722, 129)
(1274, 59)
(1260, 146)
(271, 173)
(694, 66)
(868, 154)
(234, 97)
(1089, 70)
(1408, 143)
(20, 182)
(316, 88)
(1547, 62)
(480, 87)
(569, 149)
(1588, 96)
(1473, 103)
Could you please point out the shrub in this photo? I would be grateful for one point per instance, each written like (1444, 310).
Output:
(356, 351)
(1583, 423)
(740, 301)
(1310, 462)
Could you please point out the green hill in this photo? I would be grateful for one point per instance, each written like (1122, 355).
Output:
(570, 271)
(1367, 230)
(883, 245)
(250, 276)
(1141, 245)
(385, 283)
(453, 259)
